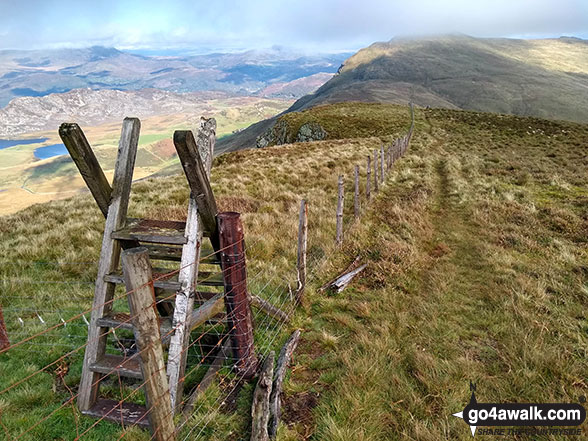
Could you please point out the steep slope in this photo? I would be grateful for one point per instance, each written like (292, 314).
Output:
(544, 78)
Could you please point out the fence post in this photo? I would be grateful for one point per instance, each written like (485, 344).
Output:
(339, 236)
(142, 305)
(4, 342)
(369, 177)
(356, 197)
(382, 164)
(302, 242)
(376, 171)
(237, 301)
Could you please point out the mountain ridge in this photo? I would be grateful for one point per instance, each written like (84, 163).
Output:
(545, 78)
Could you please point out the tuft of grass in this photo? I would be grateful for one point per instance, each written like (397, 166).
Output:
(472, 275)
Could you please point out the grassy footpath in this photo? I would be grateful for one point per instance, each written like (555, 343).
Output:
(478, 266)
(477, 271)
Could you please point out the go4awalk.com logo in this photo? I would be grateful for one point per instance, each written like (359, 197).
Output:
(523, 418)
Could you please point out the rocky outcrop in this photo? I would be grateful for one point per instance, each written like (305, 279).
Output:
(311, 131)
(280, 134)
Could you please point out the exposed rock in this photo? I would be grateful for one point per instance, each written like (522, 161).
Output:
(280, 134)
(311, 131)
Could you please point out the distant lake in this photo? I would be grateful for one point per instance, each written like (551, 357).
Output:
(50, 150)
(5, 143)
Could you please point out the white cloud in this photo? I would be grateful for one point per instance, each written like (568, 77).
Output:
(326, 24)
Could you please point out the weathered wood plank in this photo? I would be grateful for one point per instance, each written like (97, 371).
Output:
(141, 297)
(187, 277)
(260, 412)
(376, 171)
(109, 258)
(119, 365)
(368, 194)
(356, 194)
(382, 169)
(269, 309)
(302, 244)
(342, 281)
(197, 180)
(207, 310)
(205, 140)
(278, 383)
(115, 411)
(83, 157)
(340, 204)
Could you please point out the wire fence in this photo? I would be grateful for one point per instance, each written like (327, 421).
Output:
(51, 316)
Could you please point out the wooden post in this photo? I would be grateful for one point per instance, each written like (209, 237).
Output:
(195, 171)
(260, 409)
(376, 171)
(109, 259)
(280, 373)
(356, 194)
(139, 284)
(237, 301)
(339, 227)
(369, 177)
(82, 155)
(302, 243)
(382, 171)
(196, 157)
(4, 342)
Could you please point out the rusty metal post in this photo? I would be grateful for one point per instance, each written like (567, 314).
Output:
(4, 342)
(237, 301)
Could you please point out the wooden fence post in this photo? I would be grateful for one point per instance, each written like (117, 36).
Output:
(4, 342)
(369, 177)
(376, 171)
(302, 242)
(356, 196)
(139, 284)
(382, 171)
(341, 196)
(237, 300)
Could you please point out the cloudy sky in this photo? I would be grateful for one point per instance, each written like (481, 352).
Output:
(315, 25)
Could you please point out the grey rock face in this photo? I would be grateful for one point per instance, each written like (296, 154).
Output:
(278, 134)
(311, 132)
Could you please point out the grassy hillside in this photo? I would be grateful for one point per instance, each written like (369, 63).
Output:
(542, 78)
(476, 252)
(545, 78)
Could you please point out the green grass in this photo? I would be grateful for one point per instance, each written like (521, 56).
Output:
(544, 78)
(347, 120)
(476, 252)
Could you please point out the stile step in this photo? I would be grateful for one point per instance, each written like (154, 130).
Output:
(129, 413)
(122, 321)
(174, 254)
(153, 231)
(117, 364)
(170, 283)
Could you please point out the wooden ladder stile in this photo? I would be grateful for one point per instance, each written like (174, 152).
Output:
(168, 241)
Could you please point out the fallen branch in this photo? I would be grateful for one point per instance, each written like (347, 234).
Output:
(341, 282)
(269, 309)
(352, 266)
(206, 381)
(260, 407)
(283, 362)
